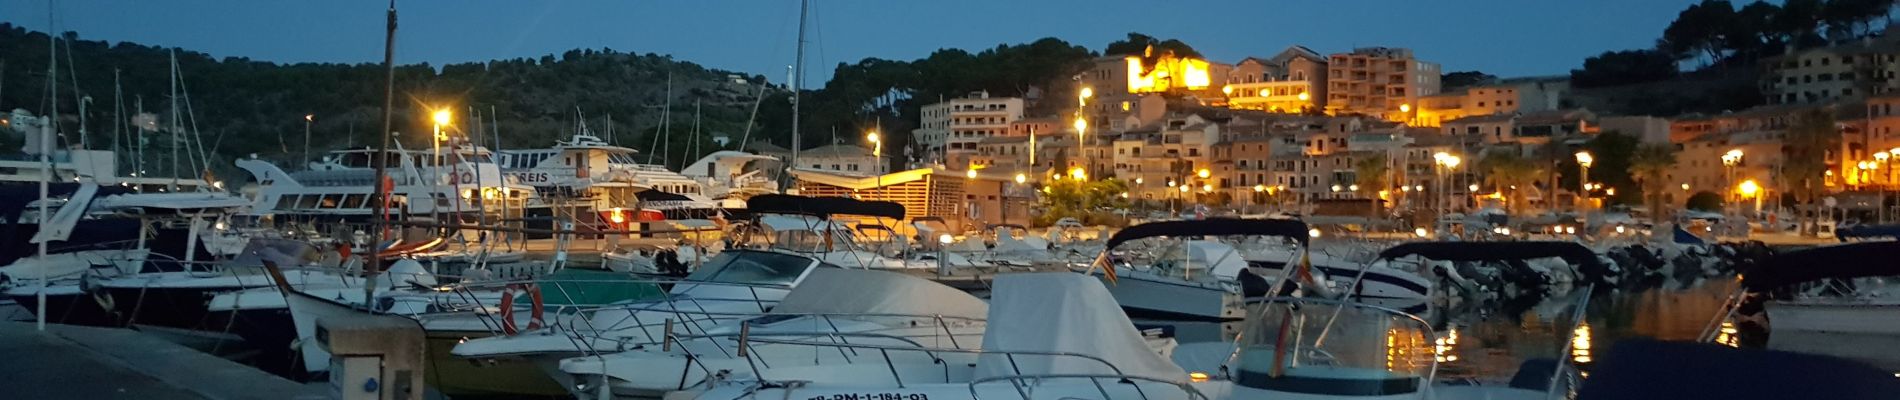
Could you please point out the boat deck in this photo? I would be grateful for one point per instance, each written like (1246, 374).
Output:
(74, 362)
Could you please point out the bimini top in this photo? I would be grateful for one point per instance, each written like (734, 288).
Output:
(1212, 227)
(657, 195)
(1852, 260)
(789, 204)
(848, 291)
(1492, 251)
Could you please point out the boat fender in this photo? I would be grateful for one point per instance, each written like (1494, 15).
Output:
(508, 307)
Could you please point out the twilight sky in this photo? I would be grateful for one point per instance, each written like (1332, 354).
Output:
(1503, 37)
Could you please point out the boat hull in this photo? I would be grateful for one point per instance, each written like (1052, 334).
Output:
(1145, 297)
(69, 309)
(1842, 318)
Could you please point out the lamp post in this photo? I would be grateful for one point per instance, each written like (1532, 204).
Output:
(441, 118)
(1729, 160)
(307, 119)
(1445, 162)
(1584, 159)
(1880, 163)
(1082, 123)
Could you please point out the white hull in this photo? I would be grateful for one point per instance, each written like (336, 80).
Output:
(1145, 293)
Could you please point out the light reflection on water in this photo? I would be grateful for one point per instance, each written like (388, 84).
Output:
(1488, 343)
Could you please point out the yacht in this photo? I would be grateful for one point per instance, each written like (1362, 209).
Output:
(161, 231)
(1832, 300)
(733, 176)
(732, 286)
(1047, 335)
(339, 187)
(1193, 279)
(859, 307)
(594, 177)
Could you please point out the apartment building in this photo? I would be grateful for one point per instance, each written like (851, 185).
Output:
(951, 130)
(1505, 97)
(1158, 158)
(1378, 81)
(1845, 72)
(841, 158)
(1292, 81)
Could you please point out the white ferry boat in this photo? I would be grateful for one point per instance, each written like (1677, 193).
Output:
(460, 181)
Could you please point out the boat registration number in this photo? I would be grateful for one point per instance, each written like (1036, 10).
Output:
(872, 396)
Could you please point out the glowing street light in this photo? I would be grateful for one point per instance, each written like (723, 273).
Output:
(1306, 97)
(1584, 158)
(1203, 173)
(1020, 178)
(1207, 187)
(1259, 188)
(1079, 174)
(971, 174)
(441, 116)
(1405, 108)
(1748, 188)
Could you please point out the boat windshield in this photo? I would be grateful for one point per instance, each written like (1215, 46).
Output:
(621, 159)
(752, 267)
(1338, 349)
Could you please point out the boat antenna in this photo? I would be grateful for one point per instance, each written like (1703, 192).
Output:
(375, 263)
(46, 158)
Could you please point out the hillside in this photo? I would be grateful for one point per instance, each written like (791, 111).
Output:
(244, 106)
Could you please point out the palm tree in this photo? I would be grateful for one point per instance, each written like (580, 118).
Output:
(1506, 170)
(1370, 174)
(1805, 150)
(1650, 164)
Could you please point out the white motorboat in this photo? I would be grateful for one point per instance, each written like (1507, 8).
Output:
(734, 285)
(1056, 335)
(1832, 300)
(1194, 279)
(862, 308)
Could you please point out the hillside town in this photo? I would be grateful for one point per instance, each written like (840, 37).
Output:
(1297, 130)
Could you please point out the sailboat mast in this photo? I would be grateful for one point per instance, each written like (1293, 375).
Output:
(798, 80)
(46, 160)
(382, 157)
(118, 118)
(175, 127)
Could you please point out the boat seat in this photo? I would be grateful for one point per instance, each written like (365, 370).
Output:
(1646, 369)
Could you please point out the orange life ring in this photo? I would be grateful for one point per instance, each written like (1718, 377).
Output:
(536, 307)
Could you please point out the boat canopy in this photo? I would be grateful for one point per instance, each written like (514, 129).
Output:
(822, 206)
(1852, 260)
(657, 195)
(1492, 251)
(170, 202)
(1294, 229)
(1064, 312)
(859, 291)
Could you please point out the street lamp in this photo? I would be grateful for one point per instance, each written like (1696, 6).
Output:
(1584, 159)
(1750, 189)
(307, 119)
(1020, 178)
(1203, 173)
(877, 153)
(971, 174)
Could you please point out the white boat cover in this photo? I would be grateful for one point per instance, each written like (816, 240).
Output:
(171, 201)
(1226, 262)
(841, 291)
(1064, 312)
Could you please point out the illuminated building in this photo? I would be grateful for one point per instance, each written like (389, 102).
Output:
(952, 129)
(1290, 82)
(1378, 81)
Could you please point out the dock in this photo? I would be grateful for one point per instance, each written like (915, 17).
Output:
(75, 362)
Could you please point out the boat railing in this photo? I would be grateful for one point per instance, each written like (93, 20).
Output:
(684, 308)
(1024, 384)
(671, 336)
(1292, 341)
(746, 346)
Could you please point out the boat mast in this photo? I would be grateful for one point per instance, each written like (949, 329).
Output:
(46, 159)
(175, 127)
(798, 81)
(118, 118)
(382, 159)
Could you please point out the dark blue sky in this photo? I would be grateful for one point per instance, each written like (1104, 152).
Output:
(1503, 37)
